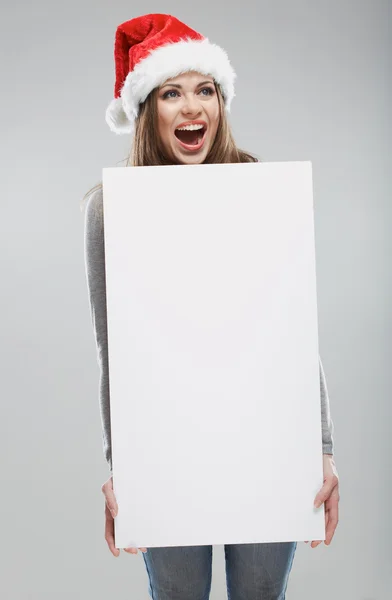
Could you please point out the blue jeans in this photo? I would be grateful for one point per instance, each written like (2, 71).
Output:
(253, 571)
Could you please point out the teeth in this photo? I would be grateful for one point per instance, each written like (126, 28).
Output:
(190, 127)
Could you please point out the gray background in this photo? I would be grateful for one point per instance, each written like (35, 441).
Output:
(314, 83)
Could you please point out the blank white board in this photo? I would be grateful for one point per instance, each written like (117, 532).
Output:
(213, 353)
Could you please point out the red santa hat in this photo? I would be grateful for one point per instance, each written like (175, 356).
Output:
(152, 48)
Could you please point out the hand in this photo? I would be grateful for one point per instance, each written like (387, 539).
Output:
(329, 494)
(111, 510)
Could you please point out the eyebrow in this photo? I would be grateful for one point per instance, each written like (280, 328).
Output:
(176, 85)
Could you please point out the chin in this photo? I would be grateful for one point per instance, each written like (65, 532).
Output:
(191, 159)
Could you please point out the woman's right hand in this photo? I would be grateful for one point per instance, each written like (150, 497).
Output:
(111, 510)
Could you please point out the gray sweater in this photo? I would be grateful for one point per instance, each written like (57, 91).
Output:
(95, 273)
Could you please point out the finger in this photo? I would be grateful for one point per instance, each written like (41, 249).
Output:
(109, 513)
(323, 494)
(316, 543)
(133, 550)
(333, 517)
(110, 498)
(109, 535)
(325, 491)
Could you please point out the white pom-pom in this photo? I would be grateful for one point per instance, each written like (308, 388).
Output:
(117, 119)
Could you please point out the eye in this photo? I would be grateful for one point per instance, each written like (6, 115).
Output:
(209, 91)
(166, 94)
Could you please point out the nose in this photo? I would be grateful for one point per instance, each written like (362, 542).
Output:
(192, 105)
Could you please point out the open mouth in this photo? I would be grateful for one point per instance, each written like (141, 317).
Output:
(191, 137)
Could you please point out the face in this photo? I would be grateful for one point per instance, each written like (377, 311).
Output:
(188, 116)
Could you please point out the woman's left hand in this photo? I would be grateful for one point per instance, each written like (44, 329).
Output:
(329, 494)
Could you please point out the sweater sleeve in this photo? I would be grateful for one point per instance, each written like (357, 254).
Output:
(326, 420)
(94, 252)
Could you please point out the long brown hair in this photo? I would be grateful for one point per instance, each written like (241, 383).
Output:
(147, 149)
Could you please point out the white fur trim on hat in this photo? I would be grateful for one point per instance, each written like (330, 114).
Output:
(164, 63)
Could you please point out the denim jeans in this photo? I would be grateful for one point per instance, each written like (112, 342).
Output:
(253, 571)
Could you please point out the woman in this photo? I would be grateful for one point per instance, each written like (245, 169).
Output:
(173, 91)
